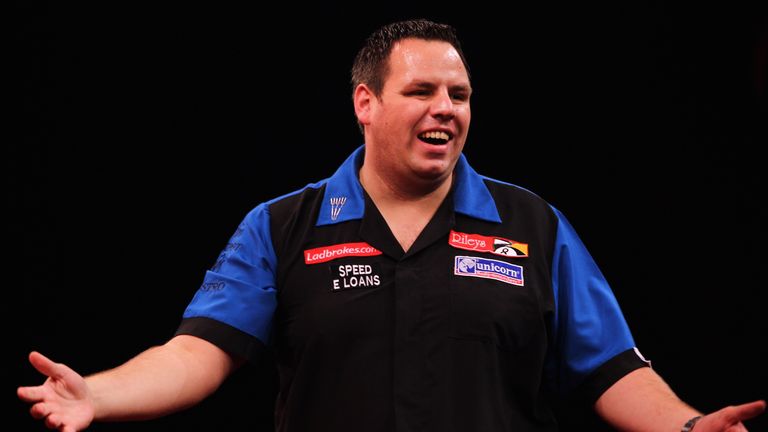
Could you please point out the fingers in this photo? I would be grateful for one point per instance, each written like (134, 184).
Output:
(53, 422)
(50, 416)
(30, 394)
(45, 366)
(748, 410)
(39, 410)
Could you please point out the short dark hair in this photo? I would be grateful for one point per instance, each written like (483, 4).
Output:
(371, 65)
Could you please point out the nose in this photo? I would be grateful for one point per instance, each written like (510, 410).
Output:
(442, 106)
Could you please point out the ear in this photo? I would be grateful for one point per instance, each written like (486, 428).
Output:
(363, 99)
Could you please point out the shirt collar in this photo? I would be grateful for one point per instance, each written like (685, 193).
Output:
(344, 199)
(471, 195)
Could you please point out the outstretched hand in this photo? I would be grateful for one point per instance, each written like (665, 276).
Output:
(63, 400)
(729, 419)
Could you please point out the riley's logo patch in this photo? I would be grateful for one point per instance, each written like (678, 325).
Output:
(494, 245)
(328, 253)
(488, 269)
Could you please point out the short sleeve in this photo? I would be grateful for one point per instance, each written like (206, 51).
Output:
(235, 304)
(593, 344)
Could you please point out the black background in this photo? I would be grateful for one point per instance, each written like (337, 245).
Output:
(145, 131)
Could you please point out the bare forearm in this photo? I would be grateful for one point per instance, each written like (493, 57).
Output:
(159, 381)
(642, 401)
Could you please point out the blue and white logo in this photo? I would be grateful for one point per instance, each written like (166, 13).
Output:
(336, 204)
(488, 269)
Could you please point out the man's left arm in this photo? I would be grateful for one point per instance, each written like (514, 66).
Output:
(642, 401)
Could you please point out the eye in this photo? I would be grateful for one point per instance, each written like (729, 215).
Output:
(461, 97)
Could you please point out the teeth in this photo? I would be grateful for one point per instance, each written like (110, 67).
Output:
(436, 135)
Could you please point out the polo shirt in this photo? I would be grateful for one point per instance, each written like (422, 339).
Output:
(495, 312)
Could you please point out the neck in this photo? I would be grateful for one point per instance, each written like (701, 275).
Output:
(406, 210)
(385, 191)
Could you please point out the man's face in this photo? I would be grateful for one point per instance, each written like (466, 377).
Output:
(418, 126)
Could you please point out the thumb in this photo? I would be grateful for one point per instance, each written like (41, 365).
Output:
(46, 366)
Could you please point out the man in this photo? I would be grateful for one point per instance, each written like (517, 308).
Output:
(406, 292)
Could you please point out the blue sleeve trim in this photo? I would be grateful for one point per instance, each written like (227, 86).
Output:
(589, 326)
(240, 289)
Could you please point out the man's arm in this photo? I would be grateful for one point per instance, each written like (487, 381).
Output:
(642, 401)
(159, 381)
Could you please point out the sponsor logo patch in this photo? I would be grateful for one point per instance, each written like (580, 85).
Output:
(494, 245)
(213, 286)
(328, 253)
(488, 269)
(347, 276)
(232, 247)
(336, 204)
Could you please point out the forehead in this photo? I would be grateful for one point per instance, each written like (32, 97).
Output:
(422, 60)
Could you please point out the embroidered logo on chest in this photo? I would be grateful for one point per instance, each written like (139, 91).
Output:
(494, 245)
(332, 252)
(336, 204)
(488, 269)
(346, 276)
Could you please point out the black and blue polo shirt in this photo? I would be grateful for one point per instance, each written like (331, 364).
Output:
(496, 309)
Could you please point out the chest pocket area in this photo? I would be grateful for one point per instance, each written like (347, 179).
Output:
(492, 302)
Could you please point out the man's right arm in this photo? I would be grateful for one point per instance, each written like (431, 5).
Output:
(159, 381)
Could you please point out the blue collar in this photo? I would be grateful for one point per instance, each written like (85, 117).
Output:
(344, 198)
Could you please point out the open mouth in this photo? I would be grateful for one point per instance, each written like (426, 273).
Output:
(435, 137)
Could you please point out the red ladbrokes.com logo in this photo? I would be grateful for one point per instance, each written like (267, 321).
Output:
(328, 253)
(494, 245)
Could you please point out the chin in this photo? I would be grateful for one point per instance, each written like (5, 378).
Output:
(433, 173)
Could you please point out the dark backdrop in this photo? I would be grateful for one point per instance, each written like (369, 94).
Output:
(144, 132)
